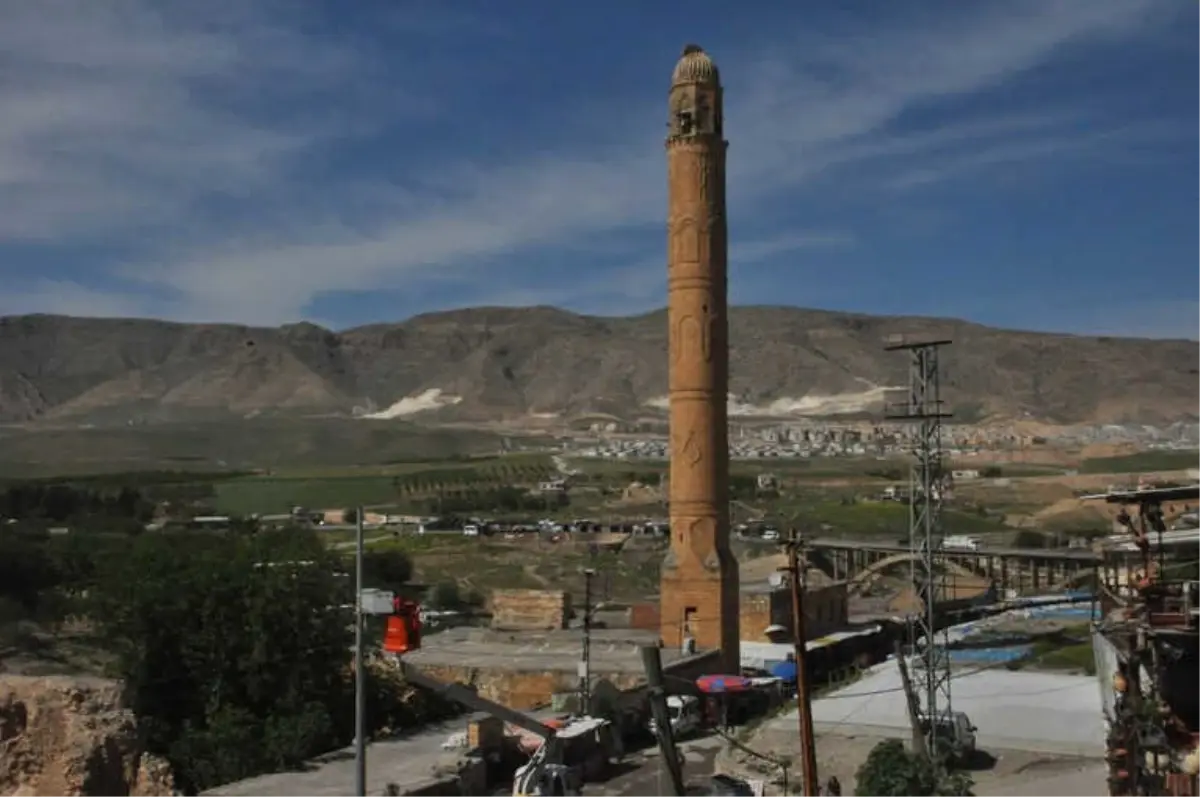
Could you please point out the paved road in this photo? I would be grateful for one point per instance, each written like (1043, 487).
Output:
(1076, 554)
(406, 761)
(641, 772)
(341, 546)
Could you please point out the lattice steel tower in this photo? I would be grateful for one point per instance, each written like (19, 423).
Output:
(927, 482)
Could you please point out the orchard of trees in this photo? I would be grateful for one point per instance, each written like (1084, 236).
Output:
(105, 501)
(496, 499)
(236, 657)
(58, 503)
(466, 479)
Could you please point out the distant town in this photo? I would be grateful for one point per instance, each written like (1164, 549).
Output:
(815, 439)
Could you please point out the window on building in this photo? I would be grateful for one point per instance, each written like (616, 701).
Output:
(684, 122)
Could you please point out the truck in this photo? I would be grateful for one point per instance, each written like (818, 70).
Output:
(953, 732)
(565, 756)
(959, 542)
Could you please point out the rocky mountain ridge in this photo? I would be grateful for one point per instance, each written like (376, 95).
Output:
(491, 363)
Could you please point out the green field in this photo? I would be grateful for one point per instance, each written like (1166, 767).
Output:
(1142, 461)
(271, 494)
(384, 485)
(889, 469)
(1053, 654)
(892, 469)
(871, 518)
(232, 445)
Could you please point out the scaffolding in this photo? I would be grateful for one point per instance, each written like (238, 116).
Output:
(927, 483)
(1147, 645)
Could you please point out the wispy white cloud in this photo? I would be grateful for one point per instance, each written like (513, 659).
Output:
(120, 119)
(642, 286)
(67, 297)
(140, 124)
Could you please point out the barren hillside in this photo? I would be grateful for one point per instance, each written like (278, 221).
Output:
(488, 363)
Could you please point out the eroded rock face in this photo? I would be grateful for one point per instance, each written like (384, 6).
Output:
(71, 736)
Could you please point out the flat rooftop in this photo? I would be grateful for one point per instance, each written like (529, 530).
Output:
(613, 650)
(1023, 710)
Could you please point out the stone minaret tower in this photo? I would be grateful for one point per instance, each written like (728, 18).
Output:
(699, 576)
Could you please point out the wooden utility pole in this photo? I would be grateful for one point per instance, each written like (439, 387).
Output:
(808, 744)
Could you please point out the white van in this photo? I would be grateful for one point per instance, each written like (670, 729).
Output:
(470, 530)
(958, 542)
(683, 712)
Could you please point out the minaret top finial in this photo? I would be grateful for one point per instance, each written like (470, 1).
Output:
(695, 66)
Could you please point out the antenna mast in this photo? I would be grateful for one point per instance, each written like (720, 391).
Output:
(923, 409)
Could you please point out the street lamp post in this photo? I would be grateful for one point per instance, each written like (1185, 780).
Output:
(360, 665)
(585, 666)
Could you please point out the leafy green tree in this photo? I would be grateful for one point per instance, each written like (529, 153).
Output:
(26, 568)
(444, 595)
(890, 769)
(1028, 538)
(386, 569)
(232, 648)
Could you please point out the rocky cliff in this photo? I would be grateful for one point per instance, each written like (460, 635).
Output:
(70, 735)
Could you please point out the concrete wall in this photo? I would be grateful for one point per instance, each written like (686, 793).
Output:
(530, 609)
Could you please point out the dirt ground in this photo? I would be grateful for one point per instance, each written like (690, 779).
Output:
(997, 772)
(1002, 772)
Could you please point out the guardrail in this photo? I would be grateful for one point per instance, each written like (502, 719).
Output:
(1073, 554)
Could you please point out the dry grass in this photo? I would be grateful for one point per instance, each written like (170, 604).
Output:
(533, 562)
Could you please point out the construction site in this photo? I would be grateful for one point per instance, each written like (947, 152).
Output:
(712, 687)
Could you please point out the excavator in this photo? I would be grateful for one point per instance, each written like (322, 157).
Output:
(546, 773)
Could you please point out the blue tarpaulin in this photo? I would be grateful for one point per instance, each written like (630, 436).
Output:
(784, 671)
(991, 655)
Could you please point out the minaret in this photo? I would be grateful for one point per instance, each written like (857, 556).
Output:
(699, 594)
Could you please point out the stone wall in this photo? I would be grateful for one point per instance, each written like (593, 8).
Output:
(530, 609)
(72, 736)
(530, 689)
(960, 591)
(522, 689)
(826, 609)
(644, 616)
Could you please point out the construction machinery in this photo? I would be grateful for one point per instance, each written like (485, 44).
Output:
(566, 755)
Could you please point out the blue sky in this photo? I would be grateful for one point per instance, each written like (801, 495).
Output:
(1024, 164)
